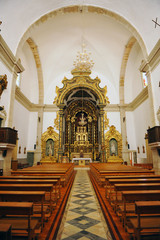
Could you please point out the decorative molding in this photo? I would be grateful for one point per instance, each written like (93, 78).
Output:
(35, 52)
(153, 59)
(138, 100)
(8, 57)
(32, 107)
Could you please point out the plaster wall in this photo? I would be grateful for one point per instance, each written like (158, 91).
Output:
(133, 79)
(114, 119)
(4, 100)
(142, 121)
(25, 12)
(32, 131)
(48, 120)
(156, 89)
(21, 124)
(131, 133)
(29, 80)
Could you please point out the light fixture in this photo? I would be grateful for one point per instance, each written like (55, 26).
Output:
(83, 62)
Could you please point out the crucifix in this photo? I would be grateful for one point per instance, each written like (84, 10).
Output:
(156, 23)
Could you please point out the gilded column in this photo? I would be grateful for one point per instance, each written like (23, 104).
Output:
(103, 157)
(60, 151)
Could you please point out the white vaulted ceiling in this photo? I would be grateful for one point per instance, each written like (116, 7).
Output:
(58, 36)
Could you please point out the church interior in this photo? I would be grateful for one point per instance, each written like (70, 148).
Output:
(79, 120)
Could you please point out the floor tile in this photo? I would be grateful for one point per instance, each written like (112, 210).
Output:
(83, 218)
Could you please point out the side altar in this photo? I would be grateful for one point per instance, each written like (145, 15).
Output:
(113, 145)
(49, 146)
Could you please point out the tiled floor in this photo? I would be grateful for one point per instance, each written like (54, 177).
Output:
(83, 218)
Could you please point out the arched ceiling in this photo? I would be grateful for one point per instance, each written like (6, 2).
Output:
(57, 29)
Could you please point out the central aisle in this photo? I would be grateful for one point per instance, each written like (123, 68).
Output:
(83, 218)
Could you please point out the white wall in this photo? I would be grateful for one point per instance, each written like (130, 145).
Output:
(131, 133)
(156, 89)
(29, 80)
(133, 81)
(32, 131)
(48, 120)
(21, 124)
(114, 119)
(142, 121)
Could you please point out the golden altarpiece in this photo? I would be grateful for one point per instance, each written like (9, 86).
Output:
(113, 145)
(80, 119)
(49, 146)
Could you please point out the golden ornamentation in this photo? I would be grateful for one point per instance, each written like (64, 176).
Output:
(81, 101)
(106, 121)
(56, 121)
(49, 134)
(114, 135)
(3, 83)
(83, 80)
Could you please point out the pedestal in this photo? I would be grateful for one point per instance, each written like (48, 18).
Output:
(155, 148)
(125, 156)
(37, 156)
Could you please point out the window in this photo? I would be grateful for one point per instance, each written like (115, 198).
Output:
(18, 79)
(145, 81)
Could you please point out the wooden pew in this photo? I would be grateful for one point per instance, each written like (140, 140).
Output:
(100, 170)
(30, 187)
(27, 226)
(5, 231)
(132, 196)
(150, 223)
(112, 182)
(132, 187)
(25, 196)
(56, 177)
(55, 182)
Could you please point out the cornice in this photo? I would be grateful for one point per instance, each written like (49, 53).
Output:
(138, 100)
(153, 59)
(8, 57)
(32, 107)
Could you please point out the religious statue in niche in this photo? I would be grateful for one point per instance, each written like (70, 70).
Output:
(49, 147)
(113, 147)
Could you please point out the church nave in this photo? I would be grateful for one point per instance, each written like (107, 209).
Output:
(83, 218)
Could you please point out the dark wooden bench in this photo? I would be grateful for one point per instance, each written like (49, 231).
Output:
(55, 182)
(39, 177)
(132, 187)
(20, 226)
(5, 231)
(25, 196)
(150, 223)
(132, 196)
(112, 182)
(31, 187)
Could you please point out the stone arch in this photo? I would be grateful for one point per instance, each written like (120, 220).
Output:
(35, 52)
(126, 54)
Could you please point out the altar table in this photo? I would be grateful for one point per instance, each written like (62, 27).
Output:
(81, 161)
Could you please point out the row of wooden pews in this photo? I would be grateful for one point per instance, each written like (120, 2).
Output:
(129, 197)
(32, 199)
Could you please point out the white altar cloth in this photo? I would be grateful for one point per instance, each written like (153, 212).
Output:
(81, 159)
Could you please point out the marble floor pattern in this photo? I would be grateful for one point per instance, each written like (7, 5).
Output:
(83, 218)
